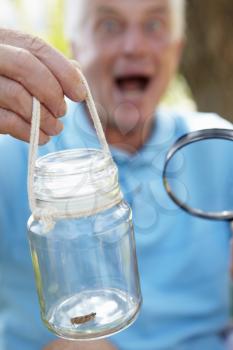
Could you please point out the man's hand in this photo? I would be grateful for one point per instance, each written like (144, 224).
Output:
(30, 67)
(80, 345)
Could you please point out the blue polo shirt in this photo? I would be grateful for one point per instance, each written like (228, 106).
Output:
(183, 260)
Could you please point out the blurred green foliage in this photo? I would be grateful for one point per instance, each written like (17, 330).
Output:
(55, 34)
(54, 31)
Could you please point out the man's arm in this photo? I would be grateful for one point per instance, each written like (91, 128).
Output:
(61, 344)
(30, 67)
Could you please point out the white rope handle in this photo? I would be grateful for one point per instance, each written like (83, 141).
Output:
(34, 139)
(33, 148)
(94, 114)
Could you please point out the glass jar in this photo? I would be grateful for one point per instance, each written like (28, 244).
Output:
(85, 266)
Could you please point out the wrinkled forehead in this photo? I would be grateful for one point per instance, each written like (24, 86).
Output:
(124, 7)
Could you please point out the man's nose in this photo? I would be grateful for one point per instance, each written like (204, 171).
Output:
(134, 42)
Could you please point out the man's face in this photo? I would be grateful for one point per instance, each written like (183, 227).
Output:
(128, 56)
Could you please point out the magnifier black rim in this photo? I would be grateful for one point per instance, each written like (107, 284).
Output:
(183, 141)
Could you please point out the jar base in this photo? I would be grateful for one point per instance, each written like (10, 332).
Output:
(92, 314)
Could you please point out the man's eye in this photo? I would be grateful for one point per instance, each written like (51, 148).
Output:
(110, 26)
(153, 25)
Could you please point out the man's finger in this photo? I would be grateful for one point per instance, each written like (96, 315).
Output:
(14, 125)
(21, 66)
(62, 69)
(14, 97)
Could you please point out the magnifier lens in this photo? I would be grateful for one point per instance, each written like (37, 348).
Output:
(198, 173)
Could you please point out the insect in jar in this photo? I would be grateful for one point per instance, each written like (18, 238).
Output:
(83, 319)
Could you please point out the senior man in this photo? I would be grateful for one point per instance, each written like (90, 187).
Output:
(129, 51)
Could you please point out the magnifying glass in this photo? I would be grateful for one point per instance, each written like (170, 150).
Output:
(198, 173)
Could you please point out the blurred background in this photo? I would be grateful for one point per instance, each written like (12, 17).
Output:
(205, 81)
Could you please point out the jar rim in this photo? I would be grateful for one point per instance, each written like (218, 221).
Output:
(72, 161)
(78, 181)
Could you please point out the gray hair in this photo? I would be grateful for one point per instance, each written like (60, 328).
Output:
(74, 12)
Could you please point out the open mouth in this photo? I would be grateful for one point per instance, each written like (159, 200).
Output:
(132, 83)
